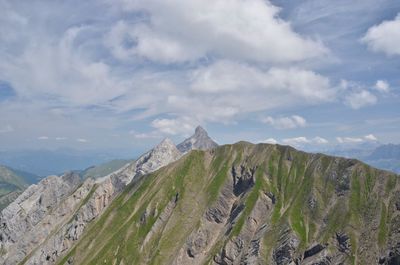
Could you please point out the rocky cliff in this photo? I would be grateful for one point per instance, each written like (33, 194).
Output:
(47, 219)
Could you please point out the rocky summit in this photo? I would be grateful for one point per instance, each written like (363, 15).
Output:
(232, 204)
(199, 141)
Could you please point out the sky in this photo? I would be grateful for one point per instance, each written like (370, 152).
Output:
(124, 74)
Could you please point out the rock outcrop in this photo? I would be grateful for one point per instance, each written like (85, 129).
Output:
(199, 141)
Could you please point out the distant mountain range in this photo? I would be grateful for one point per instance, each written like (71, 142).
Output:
(382, 156)
(53, 162)
(12, 183)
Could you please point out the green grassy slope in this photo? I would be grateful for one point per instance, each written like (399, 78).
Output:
(12, 183)
(315, 197)
(104, 169)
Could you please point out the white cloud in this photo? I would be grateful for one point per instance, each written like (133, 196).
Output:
(182, 126)
(382, 86)
(292, 122)
(384, 37)
(353, 140)
(179, 31)
(59, 71)
(82, 140)
(43, 138)
(6, 129)
(349, 140)
(147, 135)
(359, 99)
(370, 137)
(269, 141)
(320, 140)
(61, 138)
(301, 141)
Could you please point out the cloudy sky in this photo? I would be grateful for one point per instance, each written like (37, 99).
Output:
(126, 73)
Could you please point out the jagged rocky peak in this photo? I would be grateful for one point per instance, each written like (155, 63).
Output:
(161, 155)
(200, 140)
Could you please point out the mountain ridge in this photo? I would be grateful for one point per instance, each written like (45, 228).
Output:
(240, 203)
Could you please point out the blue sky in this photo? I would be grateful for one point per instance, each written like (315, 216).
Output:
(127, 73)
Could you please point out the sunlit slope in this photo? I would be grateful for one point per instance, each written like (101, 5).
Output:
(250, 204)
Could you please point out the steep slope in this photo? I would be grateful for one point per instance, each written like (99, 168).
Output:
(46, 220)
(250, 204)
(12, 183)
(199, 141)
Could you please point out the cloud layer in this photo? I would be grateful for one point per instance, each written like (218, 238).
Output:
(159, 68)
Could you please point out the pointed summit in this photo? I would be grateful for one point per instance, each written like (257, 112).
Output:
(200, 140)
(200, 131)
(163, 154)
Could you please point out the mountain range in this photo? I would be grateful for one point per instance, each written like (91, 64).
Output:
(12, 183)
(386, 156)
(199, 203)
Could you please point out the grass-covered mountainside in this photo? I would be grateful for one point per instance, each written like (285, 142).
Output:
(250, 204)
(12, 183)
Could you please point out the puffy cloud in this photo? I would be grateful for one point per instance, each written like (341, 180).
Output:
(353, 140)
(384, 37)
(382, 86)
(183, 126)
(61, 138)
(301, 141)
(320, 140)
(82, 140)
(231, 88)
(285, 122)
(269, 141)
(179, 31)
(370, 137)
(43, 138)
(359, 99)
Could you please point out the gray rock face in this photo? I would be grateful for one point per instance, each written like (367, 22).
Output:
(220, 218)
(200, 141)
(46, 220)
(26, 222)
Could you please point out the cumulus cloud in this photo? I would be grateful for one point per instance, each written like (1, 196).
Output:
(269, 141)
(183, 126)
(382, 86)
(359, 99)
(384, 37)
(370, 137)
(292, 122)
(179, 31)
(301, 141)
(82, 140)
(43, 138)
(242, 88)
(353, 140)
